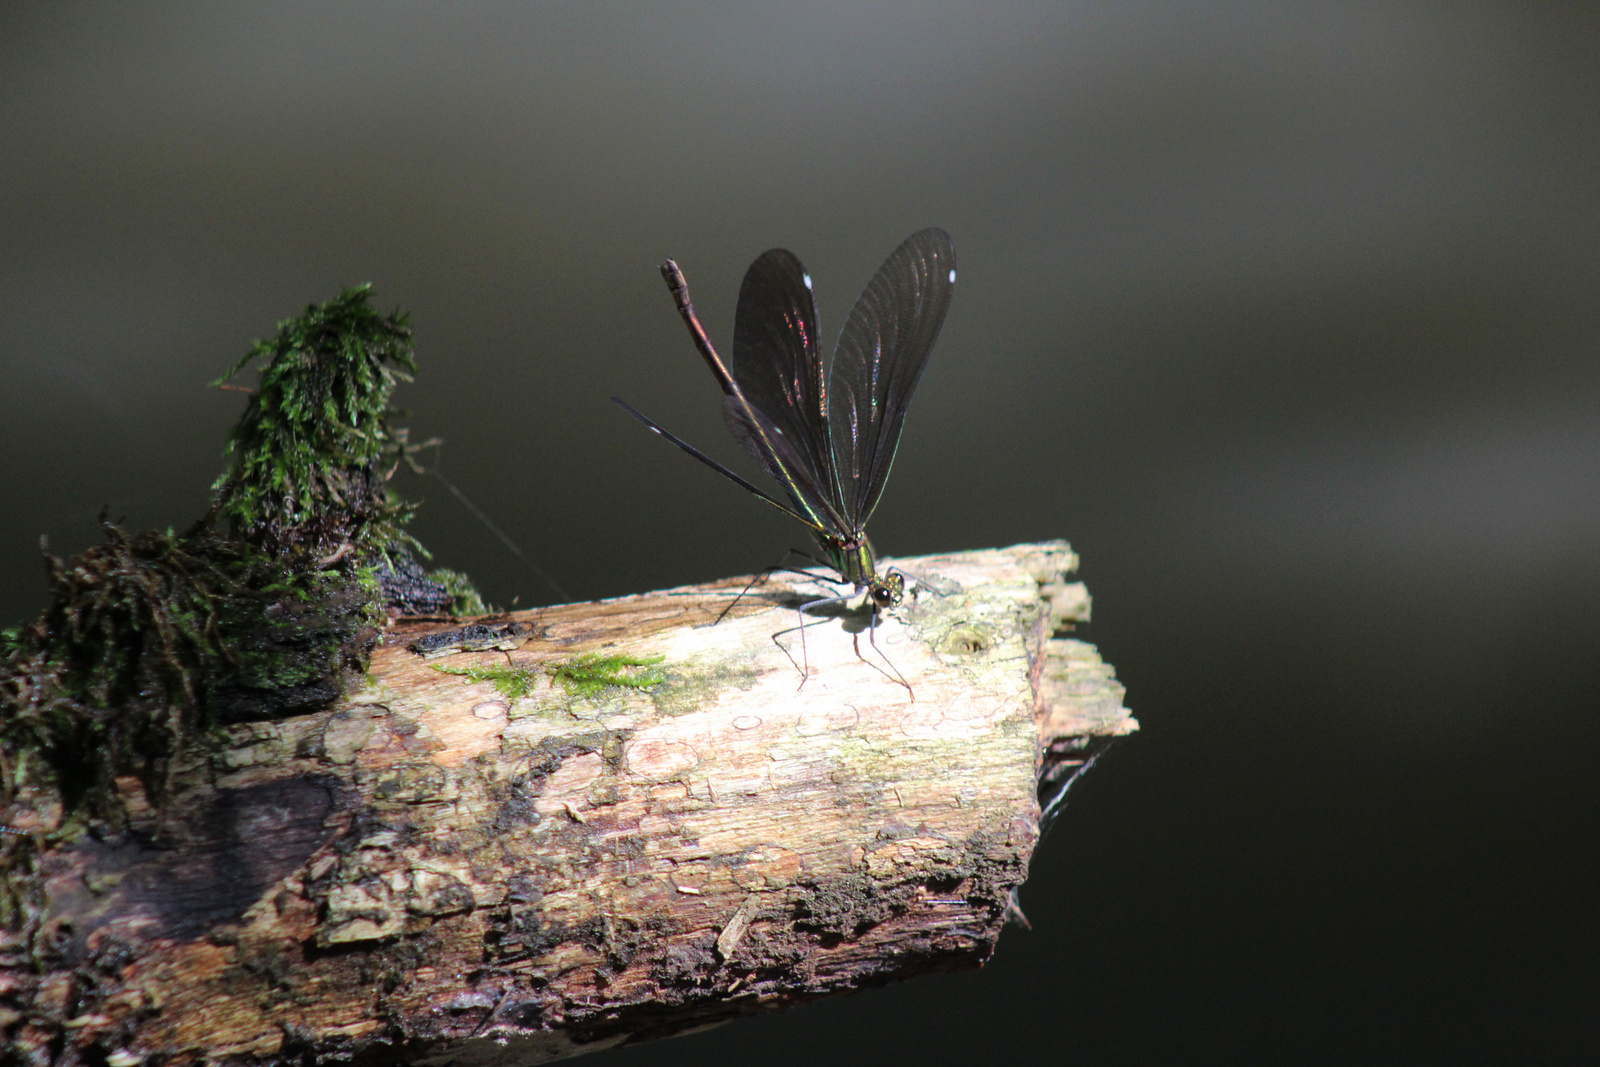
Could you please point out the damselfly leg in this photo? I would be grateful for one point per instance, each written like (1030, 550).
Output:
(781, 567)
(849, 612)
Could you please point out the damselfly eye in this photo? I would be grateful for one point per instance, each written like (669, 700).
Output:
(882, 596)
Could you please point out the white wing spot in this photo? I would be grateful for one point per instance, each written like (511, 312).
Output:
(807, 279)
(952, 277)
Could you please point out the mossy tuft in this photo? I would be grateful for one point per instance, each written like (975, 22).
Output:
(308, 463)
(594, 672)
(152, 639)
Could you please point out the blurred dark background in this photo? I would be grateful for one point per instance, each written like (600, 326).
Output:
(1285, 315)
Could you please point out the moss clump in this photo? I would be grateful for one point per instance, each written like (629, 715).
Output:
(309, 460)
(593, 672)
(152, 639)
(148, 640)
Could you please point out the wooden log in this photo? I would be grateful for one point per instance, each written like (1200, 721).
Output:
(620, 822)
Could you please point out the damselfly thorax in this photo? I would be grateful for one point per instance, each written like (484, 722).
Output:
(856, 564)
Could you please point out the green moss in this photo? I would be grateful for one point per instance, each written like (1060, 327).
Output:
(593, 672)
(306, 463)
(585, 675)
(466, 599)
(514, 683)
(151, 638)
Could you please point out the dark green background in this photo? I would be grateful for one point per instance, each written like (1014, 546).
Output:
(1285, 315)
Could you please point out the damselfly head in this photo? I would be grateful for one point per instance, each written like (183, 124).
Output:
(886, 592)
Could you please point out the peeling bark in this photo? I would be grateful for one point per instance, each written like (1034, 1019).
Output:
(453, 870)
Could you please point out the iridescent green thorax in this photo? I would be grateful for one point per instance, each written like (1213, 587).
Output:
(855, 562)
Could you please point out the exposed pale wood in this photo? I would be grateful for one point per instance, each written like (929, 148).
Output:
(433, 870)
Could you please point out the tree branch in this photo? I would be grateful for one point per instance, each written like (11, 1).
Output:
(584, 825)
